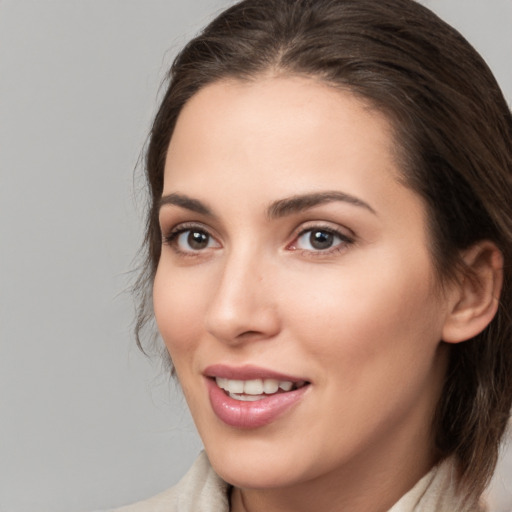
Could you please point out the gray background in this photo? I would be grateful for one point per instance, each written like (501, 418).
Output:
(86, 422)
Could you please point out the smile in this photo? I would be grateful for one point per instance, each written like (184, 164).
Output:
(256, 389)
(250, 397)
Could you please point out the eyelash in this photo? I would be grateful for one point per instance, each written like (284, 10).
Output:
(345, 241)
(172, 240)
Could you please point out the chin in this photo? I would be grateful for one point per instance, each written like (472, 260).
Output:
(254, 466)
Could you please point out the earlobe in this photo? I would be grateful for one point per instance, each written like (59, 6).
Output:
(476, 294)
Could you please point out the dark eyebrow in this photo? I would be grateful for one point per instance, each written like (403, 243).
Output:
(280, 208)
(298, 203)
(185, 202)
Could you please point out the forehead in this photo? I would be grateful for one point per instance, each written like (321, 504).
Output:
(286, 124)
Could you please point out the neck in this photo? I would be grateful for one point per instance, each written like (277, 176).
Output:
(360, 489)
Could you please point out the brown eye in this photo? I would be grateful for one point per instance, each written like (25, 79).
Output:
(192, 240)
(197, 240)
(318, 239)
(321, 240)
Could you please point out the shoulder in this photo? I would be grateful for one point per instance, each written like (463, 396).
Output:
(437, 491)
(200, 490)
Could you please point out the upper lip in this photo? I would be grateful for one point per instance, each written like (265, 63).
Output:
(247, 372)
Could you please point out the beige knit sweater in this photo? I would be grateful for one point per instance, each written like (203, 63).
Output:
(202, 490)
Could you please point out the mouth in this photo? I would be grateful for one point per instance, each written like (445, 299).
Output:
(251, 397)
(253, 390)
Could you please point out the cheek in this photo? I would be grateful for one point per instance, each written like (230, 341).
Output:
(179, 309)
(357, 316)
(372, 338)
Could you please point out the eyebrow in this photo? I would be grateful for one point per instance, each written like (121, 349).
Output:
(278, 209)
(186, 202)
(298, 203)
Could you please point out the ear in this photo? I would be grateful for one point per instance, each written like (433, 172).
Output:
(474, 298)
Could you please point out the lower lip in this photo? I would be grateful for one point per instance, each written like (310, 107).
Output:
(240, 414)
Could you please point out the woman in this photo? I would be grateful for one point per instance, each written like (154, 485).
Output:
(329, 250)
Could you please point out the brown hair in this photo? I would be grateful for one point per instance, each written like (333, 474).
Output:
(453, 132)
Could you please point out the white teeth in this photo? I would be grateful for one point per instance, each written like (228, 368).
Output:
(234, 386)
(270, 386)
(285, 385)
(246, 398)
(253, 387)
(221, 382)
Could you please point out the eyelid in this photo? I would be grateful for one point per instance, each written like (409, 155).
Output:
(179, 227)
(169, 237)
(347, 239)
(333, 227)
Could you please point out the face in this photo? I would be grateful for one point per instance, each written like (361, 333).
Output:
(295, 291)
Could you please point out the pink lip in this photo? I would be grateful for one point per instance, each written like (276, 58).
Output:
(246, 372)
(246, 415)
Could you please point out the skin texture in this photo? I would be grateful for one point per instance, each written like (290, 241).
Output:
(361, 321)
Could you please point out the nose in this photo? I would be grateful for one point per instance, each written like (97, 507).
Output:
(244, 306)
